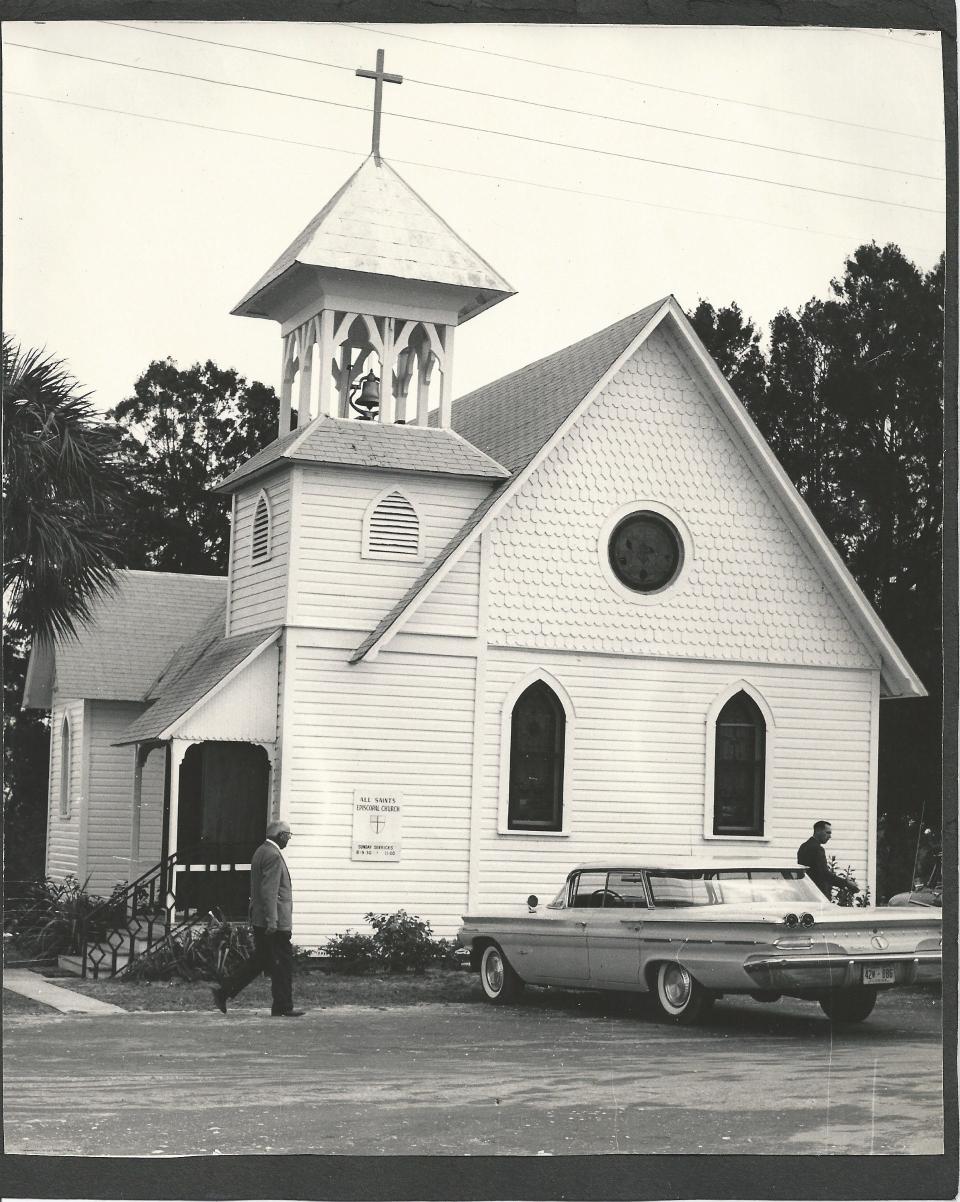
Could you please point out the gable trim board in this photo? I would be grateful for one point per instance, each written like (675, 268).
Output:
(230, 559)
(897, 676)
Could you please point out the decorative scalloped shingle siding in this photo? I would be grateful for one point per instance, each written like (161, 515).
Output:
(751, 592)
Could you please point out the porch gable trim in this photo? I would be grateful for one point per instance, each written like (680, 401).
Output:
(170, 731)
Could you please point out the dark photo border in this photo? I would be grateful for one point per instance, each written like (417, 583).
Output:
(574, 1177)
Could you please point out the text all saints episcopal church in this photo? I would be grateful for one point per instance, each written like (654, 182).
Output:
(465, 644)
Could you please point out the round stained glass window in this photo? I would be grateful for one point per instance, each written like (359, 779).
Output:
(645, 552)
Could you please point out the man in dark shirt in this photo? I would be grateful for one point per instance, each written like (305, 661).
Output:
(812, 856)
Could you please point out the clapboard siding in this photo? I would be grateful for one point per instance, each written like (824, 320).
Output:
(336, 586)
(110, 803)
(63, 834)
(258, 591)
(750, 588)
(403, 723)
(637, 763)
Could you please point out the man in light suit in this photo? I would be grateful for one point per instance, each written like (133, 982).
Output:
(271, 915)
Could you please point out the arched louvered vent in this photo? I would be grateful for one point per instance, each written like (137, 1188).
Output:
(392, 529)
(260, 549)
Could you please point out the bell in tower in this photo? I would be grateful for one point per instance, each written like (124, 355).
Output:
(368, 297)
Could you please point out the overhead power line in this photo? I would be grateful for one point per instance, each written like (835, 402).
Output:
(527, 183)
(640, 83)
(539, 104)
(616, 154)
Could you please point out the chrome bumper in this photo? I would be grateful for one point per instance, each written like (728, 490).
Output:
(836, 971)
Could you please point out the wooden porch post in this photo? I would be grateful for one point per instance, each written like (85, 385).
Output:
(178, 749)
(140, 753)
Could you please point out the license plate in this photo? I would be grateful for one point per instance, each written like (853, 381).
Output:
(878, 974)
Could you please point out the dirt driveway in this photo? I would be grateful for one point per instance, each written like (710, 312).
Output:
(558, 1074)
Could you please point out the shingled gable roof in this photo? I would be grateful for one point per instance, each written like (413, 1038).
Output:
(342, 443)
(196, 669)
(541, 388)
(130, 636)
(377, 224)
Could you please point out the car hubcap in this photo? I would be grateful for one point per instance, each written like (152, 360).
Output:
(494, 972)
(676, 986)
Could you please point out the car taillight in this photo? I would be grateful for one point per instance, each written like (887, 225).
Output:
(806, 920)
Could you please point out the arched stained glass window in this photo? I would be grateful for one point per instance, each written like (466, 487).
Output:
(741, 737)
(537, 737)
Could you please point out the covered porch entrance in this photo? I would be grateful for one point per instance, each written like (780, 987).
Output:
(218, 816)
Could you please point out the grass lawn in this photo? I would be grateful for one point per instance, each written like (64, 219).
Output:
(16, 1003)
(311, 988)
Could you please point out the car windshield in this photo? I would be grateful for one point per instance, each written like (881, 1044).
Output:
(716, 887)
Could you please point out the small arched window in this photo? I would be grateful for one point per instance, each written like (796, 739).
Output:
(739, 767)
(391, 528)
(66, 756)
(537, 739)
(260, 546)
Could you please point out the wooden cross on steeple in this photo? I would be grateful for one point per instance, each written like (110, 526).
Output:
(380, 76)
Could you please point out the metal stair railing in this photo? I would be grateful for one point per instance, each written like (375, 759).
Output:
(144, 910)
(137, 918)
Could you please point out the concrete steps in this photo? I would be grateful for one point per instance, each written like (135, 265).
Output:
(104, 965)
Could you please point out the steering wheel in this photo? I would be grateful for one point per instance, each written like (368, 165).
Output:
(608, 893)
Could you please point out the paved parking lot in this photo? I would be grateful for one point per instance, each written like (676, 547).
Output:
(558, 1074)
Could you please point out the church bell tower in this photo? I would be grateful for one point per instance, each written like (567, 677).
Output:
(368, 297)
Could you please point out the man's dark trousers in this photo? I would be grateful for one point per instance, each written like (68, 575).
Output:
(272, 954)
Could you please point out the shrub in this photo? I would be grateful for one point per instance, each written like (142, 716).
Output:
(47, 919)
(845, 897)
(400, 942)
(194, 953)
(352, 952)
(404, 941)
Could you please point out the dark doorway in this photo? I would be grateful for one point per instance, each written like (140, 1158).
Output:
(223, 810)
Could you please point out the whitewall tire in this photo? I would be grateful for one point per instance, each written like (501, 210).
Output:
(500, 983)
(680, 996)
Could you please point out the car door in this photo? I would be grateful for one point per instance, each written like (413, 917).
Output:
(553, 951)
(613, 932)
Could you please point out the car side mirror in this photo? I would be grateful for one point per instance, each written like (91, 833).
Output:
(532, 902)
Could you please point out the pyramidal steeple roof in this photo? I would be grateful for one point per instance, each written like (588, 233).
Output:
(377, 224)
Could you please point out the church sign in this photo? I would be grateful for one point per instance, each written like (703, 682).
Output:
(376, 825)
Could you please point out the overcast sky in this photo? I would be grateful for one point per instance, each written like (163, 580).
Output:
(131, 233)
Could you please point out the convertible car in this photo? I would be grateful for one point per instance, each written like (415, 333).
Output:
(689, 932)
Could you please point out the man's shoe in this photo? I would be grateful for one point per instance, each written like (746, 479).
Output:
(288, 1014)
(219, 998)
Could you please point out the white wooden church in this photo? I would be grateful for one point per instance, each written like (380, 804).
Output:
(465, 644)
